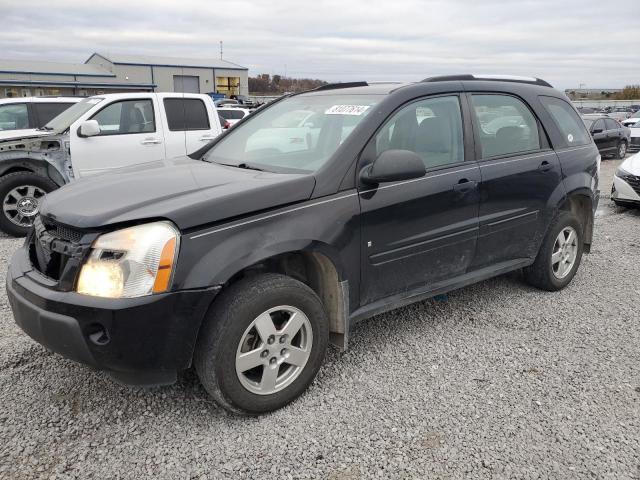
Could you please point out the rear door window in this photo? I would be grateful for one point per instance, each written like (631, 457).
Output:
(45, 112)
(186, 114)
(506, 125)
(611, 124)
(232, 114)
(568, 121)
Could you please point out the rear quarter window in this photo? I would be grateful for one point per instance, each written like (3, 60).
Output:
(186, 114)
(572, 128)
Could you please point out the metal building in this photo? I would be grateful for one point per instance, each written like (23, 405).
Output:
(102, 73)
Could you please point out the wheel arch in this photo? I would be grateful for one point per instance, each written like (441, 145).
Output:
(39, 167)
(580, 204)
(318, 267)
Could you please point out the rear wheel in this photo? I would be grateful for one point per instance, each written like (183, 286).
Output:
(559, 256)
(621, 152)
(262, 344)
(21, 194)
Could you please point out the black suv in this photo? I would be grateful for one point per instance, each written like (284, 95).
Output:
(318, 211)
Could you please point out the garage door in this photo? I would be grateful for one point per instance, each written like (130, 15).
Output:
(186, 84)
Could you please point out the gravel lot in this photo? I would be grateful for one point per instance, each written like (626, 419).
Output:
(497, 380)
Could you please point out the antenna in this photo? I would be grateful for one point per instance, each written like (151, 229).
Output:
(220, 49)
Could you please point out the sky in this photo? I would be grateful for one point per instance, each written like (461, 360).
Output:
(569, 43)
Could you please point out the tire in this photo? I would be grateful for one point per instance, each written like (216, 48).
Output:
(621, 150)
(28, 187)
(229, 330)
(546, 274)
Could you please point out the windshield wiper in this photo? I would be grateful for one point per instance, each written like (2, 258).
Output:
(243, 165)
(45, 128)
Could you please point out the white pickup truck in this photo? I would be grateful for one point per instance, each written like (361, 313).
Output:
(97, 135)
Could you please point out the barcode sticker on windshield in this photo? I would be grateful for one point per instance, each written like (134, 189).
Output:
(347, 110)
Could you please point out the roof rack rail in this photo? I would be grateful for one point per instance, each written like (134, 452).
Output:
(500, 78)
(333, 86)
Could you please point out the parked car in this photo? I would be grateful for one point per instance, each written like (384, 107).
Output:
(247, 263)
(609, 135)
(632, 120)
(26, 113)
(225, 101)
(620, 113)
(634, 143)
(625, 190)
(98, 135)
(233, 114)
(243, 100)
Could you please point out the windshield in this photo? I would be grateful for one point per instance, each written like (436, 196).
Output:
(63, 121)
(297, 134)
(635, 125)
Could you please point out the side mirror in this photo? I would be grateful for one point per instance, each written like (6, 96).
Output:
(89, 128)
(392, 166)
(597, 130)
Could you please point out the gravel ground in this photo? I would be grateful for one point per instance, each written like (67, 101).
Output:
(497, 380)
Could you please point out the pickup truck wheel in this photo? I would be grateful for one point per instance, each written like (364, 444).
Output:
(262, 343)
(559, 256)
(621, 152)
(21, 194)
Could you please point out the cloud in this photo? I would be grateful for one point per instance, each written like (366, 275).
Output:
(567, 43)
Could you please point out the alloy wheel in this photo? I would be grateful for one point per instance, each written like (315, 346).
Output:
(565, 251)
(20, 205)
(274, 350)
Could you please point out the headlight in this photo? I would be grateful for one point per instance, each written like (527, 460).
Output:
(132, 262)
(621, 173)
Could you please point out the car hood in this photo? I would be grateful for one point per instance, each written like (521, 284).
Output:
(188, 192)
(632, 165)
(6, 135)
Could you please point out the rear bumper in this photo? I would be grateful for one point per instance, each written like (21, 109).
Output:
(142, 341)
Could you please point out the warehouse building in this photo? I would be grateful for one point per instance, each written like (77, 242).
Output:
(102, 73)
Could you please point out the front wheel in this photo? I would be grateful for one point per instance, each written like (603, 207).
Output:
(262, 343)
(21, 194)
(559, 256)
(621, 152)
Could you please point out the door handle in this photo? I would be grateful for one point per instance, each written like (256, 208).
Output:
(464, 185)
(545, 166)
(206, 138)
(151, 141)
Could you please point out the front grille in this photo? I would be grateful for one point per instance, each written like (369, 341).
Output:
(59, 230)
(633, 181)
(55, 249)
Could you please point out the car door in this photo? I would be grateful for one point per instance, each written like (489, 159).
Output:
(614, 133)
(419, 232)
(599, 134)
(519, 172)
(129, 135)
(188, 125)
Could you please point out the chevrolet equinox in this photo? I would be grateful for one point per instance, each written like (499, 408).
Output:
(319, 210)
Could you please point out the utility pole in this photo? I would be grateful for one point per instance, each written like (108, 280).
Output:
(220, 49)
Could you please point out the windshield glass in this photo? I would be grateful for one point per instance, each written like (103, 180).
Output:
(635, 125)
(297, 134)
(63, 121)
